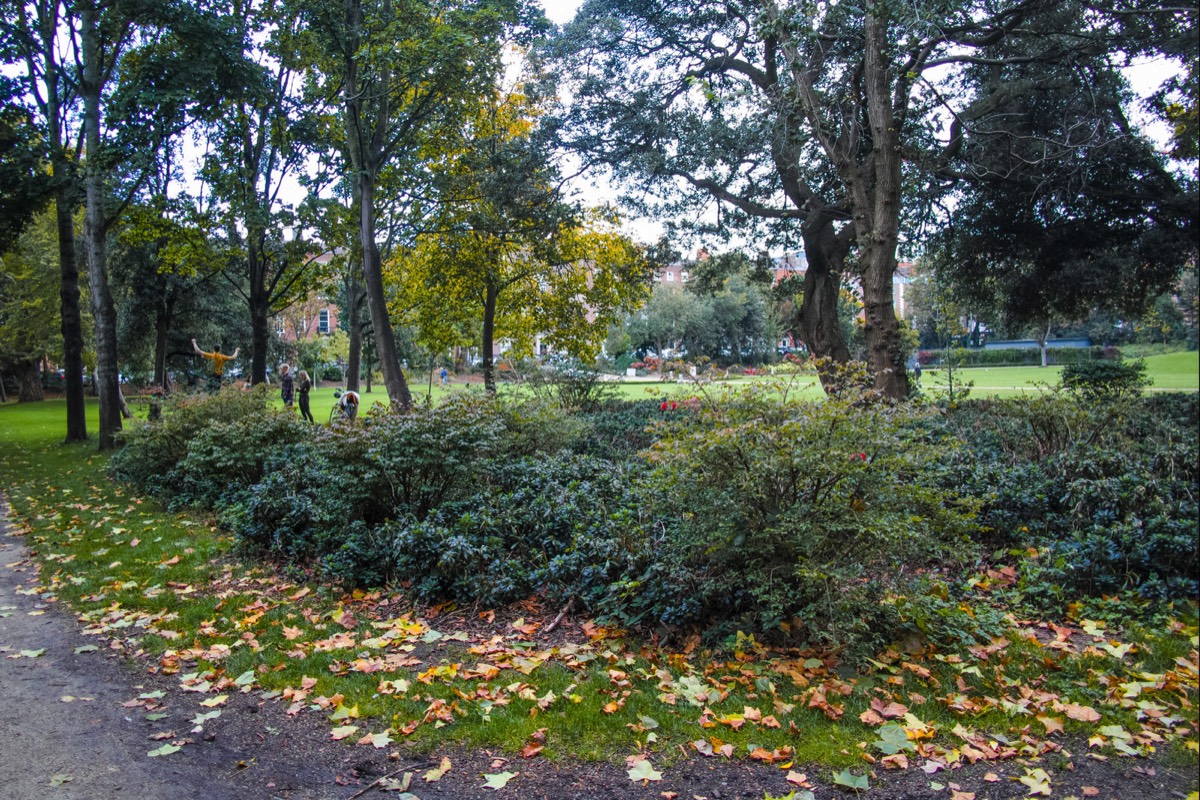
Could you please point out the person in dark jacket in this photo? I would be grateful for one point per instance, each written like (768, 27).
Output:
(302, 391)
(287, 385)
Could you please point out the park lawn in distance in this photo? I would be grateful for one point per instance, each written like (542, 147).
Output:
(171, 588)
(1168, 372)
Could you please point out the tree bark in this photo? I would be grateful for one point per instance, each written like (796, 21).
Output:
(875, 191)
(71, 317)
(354, 323)
(95, 232)
(29, 382)
(162, 328)
(258, 304)
(489, 338)
(385, 338)
(819, 329)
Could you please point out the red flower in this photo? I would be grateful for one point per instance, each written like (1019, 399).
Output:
(674, 405)
(861, 456)
(663, 407)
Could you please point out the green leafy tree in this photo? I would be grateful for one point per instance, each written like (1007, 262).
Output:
(1045, 230)
(29, 311)
(30, 33)
(665, 321)
(829, 118)
(506, 249)
(260, 142)
(404, 71)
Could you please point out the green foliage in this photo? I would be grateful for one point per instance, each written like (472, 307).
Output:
(972, 357)
(153, 451)
(569, 385)
(840, 523)
(1106, 492)
(765, 497)
(562, 527)
(1106, 380)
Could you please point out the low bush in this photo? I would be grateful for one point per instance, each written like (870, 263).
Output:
(844, 522)
(1107, 491)
(1106, 380)
(151, 451)
(790, 515)
(565, 526)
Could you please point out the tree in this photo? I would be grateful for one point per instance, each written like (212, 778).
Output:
(142, 71)
(29, 312)
(260, 142)
(1065, 209)
(831, 117)
(30, 31)
(404, 71)
(24, 184)
(569, 287)
(664, 321)
(504, 247)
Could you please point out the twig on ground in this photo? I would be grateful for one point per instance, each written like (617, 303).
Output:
(557, 620)
(391, 774)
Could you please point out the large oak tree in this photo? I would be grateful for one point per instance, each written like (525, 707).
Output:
(836, 119)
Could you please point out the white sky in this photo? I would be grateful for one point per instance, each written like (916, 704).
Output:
(560, 11)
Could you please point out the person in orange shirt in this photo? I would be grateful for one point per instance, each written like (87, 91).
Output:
(216, 361)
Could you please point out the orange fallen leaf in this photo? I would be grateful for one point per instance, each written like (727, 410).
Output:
(1081, 713)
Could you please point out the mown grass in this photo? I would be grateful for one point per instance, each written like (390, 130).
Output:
(172, 591)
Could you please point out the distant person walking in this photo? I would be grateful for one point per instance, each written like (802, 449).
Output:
(287, 386)
(445, 377)
(216, 364)
(302, 392)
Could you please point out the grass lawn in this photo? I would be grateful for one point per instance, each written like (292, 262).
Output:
(171, 588)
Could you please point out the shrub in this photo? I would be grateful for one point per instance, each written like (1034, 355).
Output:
(566, 526)
(224, 458)
(789, 514)
(1106, 380)
(1106, 491)
(151, 451)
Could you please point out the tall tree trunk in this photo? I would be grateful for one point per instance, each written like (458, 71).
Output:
(819, 329)
(95, 232)
(385, 338)
(354, 324)
(259, 305)
(875, 191)
(489, 338)
(29, 382)
(162, 328)
(71, 316)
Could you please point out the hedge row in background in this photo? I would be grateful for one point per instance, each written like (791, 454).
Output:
(838, 522)
(1017, 357)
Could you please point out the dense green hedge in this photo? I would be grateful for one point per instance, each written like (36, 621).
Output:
(1025, 357)
(822, 522)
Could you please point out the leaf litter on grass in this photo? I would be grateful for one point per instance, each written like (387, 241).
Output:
(177, 601)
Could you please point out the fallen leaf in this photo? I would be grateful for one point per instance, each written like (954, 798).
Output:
(165, 750)
(644, 771)
(59, 778)
(1081, 713)
(1038, 782)
(437, 773)
(498, 780)
(341, 733)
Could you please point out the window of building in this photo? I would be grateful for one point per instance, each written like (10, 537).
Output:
(670, 276)
(683, 276)
(323, 321)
